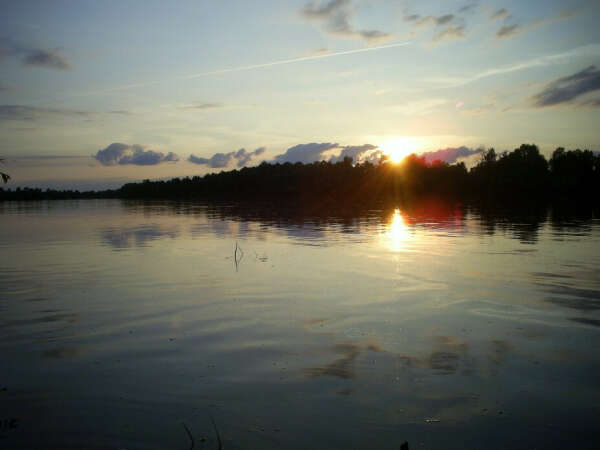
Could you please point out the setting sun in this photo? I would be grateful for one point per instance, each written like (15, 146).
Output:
(397, 148)
(396, 154)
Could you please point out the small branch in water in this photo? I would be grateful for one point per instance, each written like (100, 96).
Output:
(217, 430)
(189, 434)
(237, 259)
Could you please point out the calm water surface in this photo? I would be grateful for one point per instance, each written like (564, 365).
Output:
(439, 325)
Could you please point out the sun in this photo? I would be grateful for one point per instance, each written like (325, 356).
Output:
(398, 147)
(395, 154)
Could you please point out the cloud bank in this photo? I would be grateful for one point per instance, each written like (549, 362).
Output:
(433, 20)
(125, 154)
(452, 25)
(358, 153)
(311, 152)
(204, 106)
(457, 32)
(567, 89)
(450, 155)
(335, 15)
(35, 56)
(51, 59)
(241, 158)
(24, 112)
(499, 14)
(507, 31)
(468, 8)
(305, 153)
(302, 153)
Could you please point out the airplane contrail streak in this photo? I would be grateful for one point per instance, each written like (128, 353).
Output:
(242, 68)
(293, 60)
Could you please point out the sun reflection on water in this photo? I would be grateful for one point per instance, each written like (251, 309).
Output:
(397, 232)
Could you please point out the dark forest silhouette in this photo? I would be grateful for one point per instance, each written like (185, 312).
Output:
(521, 175)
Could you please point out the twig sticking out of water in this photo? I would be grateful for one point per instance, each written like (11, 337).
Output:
(189, 435)
(217, 430)
(238, 251)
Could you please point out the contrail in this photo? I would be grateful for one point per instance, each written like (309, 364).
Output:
(293, 60)
(242, 68)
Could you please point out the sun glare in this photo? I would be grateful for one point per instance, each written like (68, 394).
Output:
(396, 155)
(397, 148)
(397, 233)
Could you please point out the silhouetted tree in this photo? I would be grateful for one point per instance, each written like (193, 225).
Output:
(574, 170)
(5, 177)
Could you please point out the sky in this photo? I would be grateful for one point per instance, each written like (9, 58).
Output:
(95, 94)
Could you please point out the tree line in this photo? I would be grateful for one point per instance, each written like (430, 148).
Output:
(521, 175)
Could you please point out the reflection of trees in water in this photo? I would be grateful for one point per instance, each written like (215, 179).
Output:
(306, 222)
(521, 222)
(572, 218)
(138, 236)
(524, 221)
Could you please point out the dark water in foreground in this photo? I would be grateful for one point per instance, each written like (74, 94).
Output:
(442, 326)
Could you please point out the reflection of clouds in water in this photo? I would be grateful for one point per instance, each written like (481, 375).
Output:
(449, 355)
(446, 357)
(138, 236)
(342, 367)
(221, 228)
(309, 235)
(225, 228)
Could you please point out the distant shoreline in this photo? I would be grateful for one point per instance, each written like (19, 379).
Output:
(521, 176)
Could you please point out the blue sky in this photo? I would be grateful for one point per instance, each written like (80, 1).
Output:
(167, 82)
